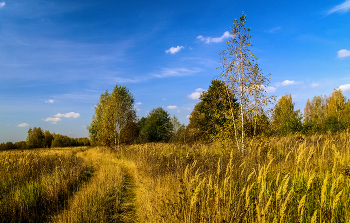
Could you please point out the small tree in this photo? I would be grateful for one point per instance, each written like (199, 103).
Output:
(243, 78)
(335, 110)
(285, 119)
(210, 118)
(156, 127)
(124, 111)
(35, 138)
(112, 114)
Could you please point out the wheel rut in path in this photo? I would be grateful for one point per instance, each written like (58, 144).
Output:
(126, 212)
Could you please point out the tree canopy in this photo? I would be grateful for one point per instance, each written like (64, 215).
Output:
(112, 114)
(156, 127)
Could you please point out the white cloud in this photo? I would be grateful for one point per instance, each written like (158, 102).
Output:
(172, 107)
(269, 89)
(23, 125)
(177, 72)
(215, 39)
(52, 120)
(196, 94)
(68, 115)
(344, 7)
(315, 84)
(49, 101)
(174, 50)
(345, 88)
(2, 4)
(287, 82)
(188, 116)
(138, 103)
(58, 117)
(343, 53)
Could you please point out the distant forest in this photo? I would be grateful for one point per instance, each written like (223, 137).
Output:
(38, 138)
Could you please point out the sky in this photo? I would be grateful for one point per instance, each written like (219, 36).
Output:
(58, 57)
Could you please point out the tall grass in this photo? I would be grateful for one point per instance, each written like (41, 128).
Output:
(290, 179)
(36, 183)
(101, 199)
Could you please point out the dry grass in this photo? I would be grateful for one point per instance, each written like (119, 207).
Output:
(97, 200)
(35, 183)
(291, 179)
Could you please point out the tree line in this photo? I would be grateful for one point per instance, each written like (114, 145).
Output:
(38, 138)
(115, 121)
(211, 120)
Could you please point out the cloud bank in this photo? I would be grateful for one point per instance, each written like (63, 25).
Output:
(214, 39)
(174, 50)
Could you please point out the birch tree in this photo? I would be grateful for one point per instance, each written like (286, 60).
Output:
(243, 78)
(124, 112)
(114, 111)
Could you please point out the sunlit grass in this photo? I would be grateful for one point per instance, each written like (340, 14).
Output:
(291, 179)
(35, 183)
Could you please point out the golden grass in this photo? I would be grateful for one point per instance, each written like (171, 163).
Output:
(35, 183)
(290, 179)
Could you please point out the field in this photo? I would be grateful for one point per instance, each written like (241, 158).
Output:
(289, 179)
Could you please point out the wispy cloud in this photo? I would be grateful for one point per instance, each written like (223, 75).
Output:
(174, 50)
(274, 29)
(177, 72)
(23, 125)
(287, 82)
(345, 88)
(58, 117)
(2, 4)
(138, 103)
(344, 7)
(171, 107)
(49, 101)
(343, 53)
(214, 39)
(196, 94)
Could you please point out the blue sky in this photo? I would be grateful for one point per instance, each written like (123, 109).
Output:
(57, 57)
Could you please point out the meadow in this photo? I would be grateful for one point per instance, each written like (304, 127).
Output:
(280, 179)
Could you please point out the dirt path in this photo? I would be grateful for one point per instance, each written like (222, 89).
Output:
(127, 206)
